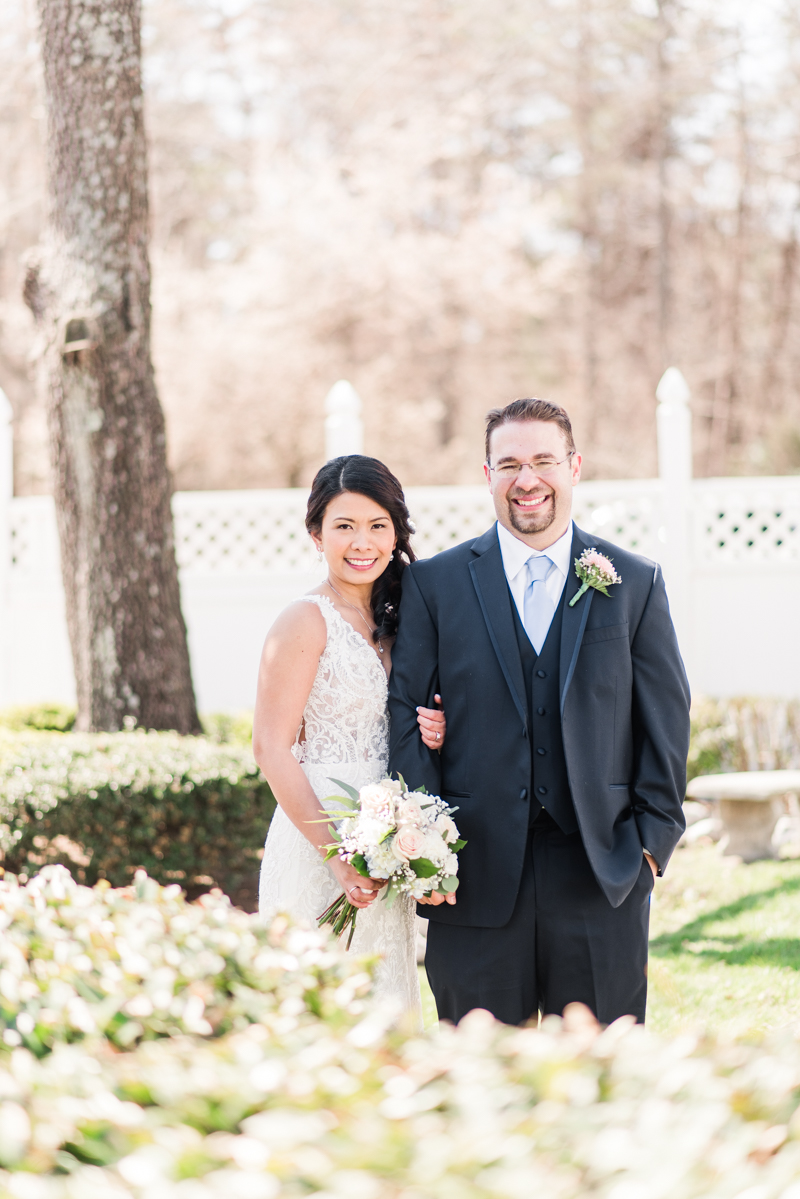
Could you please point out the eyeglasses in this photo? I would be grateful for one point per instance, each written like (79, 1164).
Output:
(510, 470)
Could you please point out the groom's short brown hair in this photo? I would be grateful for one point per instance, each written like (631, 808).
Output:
(529, 409)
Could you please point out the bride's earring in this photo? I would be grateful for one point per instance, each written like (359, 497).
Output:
(320, 555)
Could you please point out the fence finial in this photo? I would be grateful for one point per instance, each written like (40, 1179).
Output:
(673, 388)
(344, 428)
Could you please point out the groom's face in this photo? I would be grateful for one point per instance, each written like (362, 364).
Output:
(535, 507)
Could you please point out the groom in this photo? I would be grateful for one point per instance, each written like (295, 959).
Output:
(567, 737)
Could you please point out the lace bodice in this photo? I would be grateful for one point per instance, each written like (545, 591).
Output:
(346, 718)
(344, 735)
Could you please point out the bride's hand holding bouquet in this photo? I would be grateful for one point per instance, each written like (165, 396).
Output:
(388, 835)
(360, 891)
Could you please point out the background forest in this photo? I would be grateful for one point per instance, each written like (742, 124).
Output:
(450, 203)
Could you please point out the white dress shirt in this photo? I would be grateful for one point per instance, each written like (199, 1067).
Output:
(515, 555)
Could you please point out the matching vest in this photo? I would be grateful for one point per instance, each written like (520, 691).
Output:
(550, 785)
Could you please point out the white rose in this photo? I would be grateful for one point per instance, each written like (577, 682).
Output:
(375, 798)
(446, 826)
(409, 811)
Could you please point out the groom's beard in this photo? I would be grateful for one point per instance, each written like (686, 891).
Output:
(531, 522)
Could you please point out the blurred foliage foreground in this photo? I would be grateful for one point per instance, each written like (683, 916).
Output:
(161, 1050)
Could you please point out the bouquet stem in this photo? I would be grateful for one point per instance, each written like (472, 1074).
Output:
(340, 914)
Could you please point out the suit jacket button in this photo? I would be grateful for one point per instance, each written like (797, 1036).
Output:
(523, 793)
(541, 712)
(541, 751)
(542, 674)
(542, 790)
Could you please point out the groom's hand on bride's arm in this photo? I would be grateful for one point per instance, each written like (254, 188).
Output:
(432, 724)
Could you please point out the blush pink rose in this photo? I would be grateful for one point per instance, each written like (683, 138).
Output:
(408, 843)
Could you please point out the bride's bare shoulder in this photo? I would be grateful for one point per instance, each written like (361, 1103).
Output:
(300, 623)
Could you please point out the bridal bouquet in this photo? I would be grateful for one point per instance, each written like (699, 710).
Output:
(386, 831)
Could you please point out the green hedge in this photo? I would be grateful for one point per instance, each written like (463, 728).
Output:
(183, 808)
(55, 718)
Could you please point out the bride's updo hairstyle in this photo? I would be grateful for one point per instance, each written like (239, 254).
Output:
(369, 477)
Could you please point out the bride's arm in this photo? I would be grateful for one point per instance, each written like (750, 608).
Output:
(286, 674)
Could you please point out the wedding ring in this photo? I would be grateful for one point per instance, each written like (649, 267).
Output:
(438, 736)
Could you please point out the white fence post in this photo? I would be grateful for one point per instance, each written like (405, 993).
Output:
(344, 429)
(674, 426)
(6, 493)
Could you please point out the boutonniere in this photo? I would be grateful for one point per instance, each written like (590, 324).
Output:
(594, 570)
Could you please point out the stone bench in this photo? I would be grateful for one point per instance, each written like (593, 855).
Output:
(750, 805)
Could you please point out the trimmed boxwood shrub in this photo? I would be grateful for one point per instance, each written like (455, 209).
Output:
(52, 717)
(105, 804)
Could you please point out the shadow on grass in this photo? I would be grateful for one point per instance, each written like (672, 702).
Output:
(734, 949)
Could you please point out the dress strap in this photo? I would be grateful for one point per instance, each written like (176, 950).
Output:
(323, 603)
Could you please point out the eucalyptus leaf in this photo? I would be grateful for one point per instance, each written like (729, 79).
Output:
(348, 790)
(423, 868)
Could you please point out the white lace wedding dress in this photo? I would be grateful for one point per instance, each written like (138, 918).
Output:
(346, 722)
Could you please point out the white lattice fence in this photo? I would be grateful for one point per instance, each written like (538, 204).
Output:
(242, 532)
(244, 555)
(262, 532)
(746, 521)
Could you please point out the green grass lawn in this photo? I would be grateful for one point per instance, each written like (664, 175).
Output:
(724, 945)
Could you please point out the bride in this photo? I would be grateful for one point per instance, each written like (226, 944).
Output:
(321, 710)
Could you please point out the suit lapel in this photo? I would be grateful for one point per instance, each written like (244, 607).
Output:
(489, 579)
(574, 621)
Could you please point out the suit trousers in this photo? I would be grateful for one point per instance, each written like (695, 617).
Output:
(564, 942)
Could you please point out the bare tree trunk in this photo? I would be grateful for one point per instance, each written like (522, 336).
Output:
(89, 289)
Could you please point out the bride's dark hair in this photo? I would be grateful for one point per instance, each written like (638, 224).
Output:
(369, 477)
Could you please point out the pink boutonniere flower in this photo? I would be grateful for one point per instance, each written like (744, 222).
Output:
(594, 570)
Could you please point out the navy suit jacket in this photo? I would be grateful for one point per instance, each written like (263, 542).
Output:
(624, 701)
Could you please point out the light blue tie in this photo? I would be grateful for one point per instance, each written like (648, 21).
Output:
(538, 608)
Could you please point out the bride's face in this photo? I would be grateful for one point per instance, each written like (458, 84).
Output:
(357, 538)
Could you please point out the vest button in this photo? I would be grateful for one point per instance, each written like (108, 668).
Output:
(541, 751)
(541, 712)
(523, 793)
(542, 790)
(542, 674)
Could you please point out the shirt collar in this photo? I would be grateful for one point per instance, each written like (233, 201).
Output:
(516, 553)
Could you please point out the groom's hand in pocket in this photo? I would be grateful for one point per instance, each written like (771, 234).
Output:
(436, 897)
